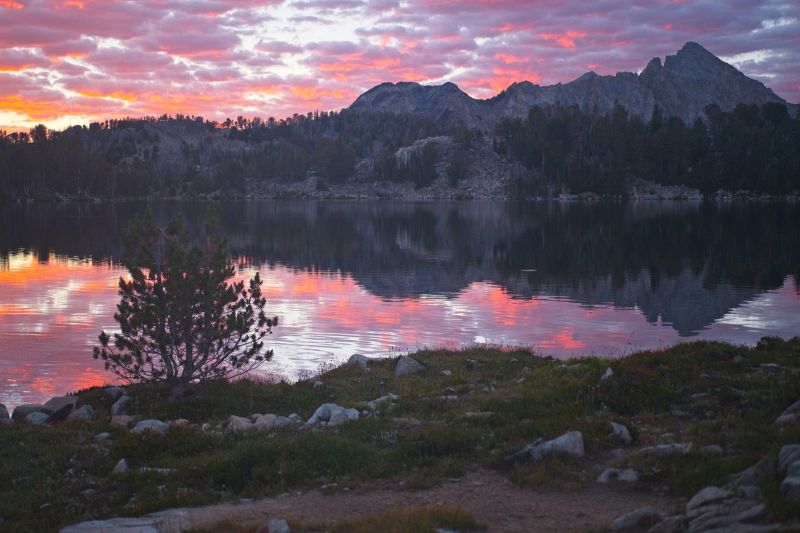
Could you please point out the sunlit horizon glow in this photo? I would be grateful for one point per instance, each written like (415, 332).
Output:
(65, 62)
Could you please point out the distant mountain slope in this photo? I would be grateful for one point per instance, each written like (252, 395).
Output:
(683, 86)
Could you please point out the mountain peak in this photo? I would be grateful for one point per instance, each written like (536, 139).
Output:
(692, 48)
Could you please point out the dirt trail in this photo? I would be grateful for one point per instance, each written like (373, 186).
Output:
(496, 502)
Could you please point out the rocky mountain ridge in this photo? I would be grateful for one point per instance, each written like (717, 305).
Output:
(682, 86)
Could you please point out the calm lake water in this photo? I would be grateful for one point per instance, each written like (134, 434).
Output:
(386, 277)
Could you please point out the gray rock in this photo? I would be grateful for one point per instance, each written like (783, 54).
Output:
(406, 365)
(121, 421)
(58, 402)
(37, 418)
(120, 468)
(278, 525)
(84, 413)
(331, 414)
(753, 475)
(447, 373)
(179, 423)
(790, 488)
(627, 475)
(793, 469)
(569, 444)
(115, 393)
(102, 436)
(383, 402)
(294, 417)
(637, 520)
(265, 422)
(153, 470)
(662, 450)
(358, 359)
(152, 426)
(238, 423)
(789, 419)
(120, 407)
(621, 433)
(671, 524)
(706, 496)
(318, 384)
(407, 422)
(711, 449)
(114, 525)
(60, 415)
(608, 374)
(281, 421)
(786, 456)
(21, 411)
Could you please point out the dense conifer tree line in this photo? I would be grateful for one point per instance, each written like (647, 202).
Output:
(562, 149)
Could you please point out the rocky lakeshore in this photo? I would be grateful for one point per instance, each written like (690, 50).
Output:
(698, 437)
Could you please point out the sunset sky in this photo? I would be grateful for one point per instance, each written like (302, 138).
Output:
(66, 62)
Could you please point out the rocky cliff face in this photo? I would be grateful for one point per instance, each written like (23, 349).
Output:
(683, 86)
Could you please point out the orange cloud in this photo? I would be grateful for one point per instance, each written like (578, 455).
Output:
(11, 4)
(565, 40)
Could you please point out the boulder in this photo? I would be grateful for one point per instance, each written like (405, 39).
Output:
(24, 410)
(383, 402)
(754, 475)
(793, 469)
(275, 525)
(706, 496)
(406, 365)
(569, 444)
(790, 488)
(640, 519)
(358, 359)
(621, 433)
(120, 407)
(115, 393)
(786, 456)
(121, 421)
(37, 418)
(265, 422)
(238, 423)
(84, 413)
(790, 415)
(58, 402)
(60, 415)
(120, 468)
(281, 421)
(151, 426)
(331, 414)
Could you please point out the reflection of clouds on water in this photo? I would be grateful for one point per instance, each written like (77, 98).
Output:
(383, 278)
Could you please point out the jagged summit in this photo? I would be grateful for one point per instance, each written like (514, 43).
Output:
(682, 86)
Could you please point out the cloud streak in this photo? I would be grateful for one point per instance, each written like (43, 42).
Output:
(72, 61)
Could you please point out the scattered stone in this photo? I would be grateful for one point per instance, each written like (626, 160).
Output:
(407, 422)
(294, 417)
(711, 449)
(608, 374)
(621, 433)
(85, 413)
(473, 363)
(24, 410)
(88, 493)
(238, 423)
(640, 519)
(447, 373)
(513, 360)
(152, 426)
(318, 384)
(265, 422)
(449, 391)
(121, 421)
(706, 496)
(570, 444)
(478, 414)
(332, 415)
(406, 365)
(152, 470)
(58, 402)
(120, 468)
(115, 393)
(120, 407)
(178, 423)
(525, 370)
(383, 402)
(37, 418)
(662, 450)
(627, 475)
(102, 436)
(358, 359)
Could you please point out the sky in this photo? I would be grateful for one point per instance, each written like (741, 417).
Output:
(65, 62)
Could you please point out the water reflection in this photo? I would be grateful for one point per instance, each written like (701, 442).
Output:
(376, 277)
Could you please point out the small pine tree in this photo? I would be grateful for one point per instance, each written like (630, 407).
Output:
(180, 319)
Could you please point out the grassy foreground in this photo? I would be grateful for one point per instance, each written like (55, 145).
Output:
(491, 402)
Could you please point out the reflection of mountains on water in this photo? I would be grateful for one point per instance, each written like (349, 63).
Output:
(687, 263)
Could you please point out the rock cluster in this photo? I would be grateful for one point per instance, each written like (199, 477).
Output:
(569, 444)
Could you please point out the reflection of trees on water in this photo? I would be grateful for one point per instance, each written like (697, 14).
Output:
(686, 263)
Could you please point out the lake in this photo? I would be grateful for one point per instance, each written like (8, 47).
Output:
(381, 278)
